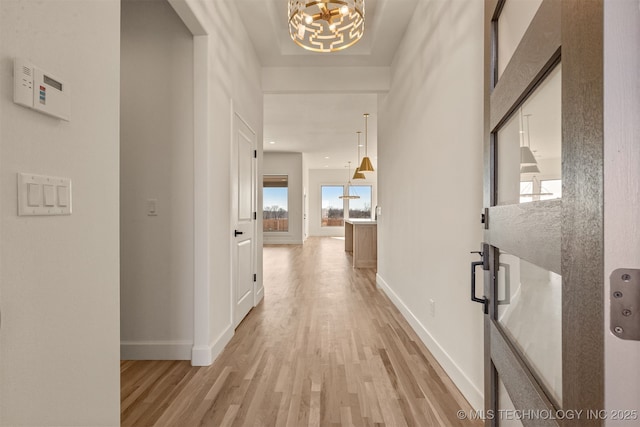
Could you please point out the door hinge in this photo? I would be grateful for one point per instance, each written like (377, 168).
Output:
(255, 277)
(255, 215)
(625, 303)
(255, 154)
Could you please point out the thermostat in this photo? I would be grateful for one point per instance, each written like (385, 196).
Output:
(37, 89)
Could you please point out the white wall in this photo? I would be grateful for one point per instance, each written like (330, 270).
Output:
(621, 189)
(227, 80)
(430, 183)
(156, 162)
(287, 164)
(59, 275)
(320, 177)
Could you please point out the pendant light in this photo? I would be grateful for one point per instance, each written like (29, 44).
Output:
(526, 155)
(348, 195)
(366, 165)
(357, 174)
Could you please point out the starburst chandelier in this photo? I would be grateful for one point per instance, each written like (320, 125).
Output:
(326, 25)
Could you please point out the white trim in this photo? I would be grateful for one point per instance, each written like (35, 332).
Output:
(259, 295)
(207, 354)
(155, 350)
(189, 17)
(457, 375)
(201, 190)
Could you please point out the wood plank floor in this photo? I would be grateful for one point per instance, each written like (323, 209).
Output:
(324, 348)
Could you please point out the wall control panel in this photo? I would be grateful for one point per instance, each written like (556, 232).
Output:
(37, 89)
(43, 195)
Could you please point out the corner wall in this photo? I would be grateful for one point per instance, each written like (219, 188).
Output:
(430, 184)
(287, 164)
(227, 81)
(59, 275)
(156, 163)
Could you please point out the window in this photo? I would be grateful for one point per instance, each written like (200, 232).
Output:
(553, 186)
(332, 206)
(360, 208)
(275, 203)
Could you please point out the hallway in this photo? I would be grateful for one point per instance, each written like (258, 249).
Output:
(325, 347)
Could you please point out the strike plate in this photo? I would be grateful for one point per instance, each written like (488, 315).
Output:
(625, 303)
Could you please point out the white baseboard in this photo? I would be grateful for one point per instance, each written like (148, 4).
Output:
(473, 395)
(155, 350)
(206, 354)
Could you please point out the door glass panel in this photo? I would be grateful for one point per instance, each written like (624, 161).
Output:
(513, 22)
(530, 312)
(551, 189)
(529, 146)
(507, 415)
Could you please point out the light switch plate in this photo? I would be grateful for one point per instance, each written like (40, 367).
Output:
(46, 198)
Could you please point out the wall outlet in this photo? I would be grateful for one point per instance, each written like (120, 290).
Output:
(432, 308)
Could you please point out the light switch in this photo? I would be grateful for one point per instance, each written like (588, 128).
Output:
(152, 207)
(49, 195)
(63, 196)
(34, 194)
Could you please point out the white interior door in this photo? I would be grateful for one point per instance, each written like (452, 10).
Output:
(242, 211)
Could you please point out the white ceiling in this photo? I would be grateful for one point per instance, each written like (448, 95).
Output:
(266, 22)
(323, 125)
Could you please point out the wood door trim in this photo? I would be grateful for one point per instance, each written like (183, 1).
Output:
(529, 230)
(583, 209)
(536, 55)
(521, 385)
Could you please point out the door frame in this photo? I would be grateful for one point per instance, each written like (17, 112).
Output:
(576, 222)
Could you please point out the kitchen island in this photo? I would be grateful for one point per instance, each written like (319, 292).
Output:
(361, 239)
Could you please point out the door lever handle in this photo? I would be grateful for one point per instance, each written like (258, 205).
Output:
(482, 301)
(236, 233)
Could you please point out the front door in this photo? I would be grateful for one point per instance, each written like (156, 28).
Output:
(542, 250)
(243, 218)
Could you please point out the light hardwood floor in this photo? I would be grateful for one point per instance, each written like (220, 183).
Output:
(324, 348)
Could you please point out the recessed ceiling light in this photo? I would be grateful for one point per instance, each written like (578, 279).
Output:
(327, 157)
(326, 166)
(272, 142)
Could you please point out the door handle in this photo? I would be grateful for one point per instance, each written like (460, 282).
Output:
(236, 233)
(482, 301)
